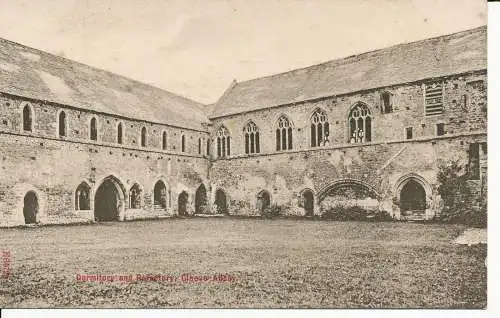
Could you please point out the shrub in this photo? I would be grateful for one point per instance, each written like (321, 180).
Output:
(455, 191)
(272, 211)
(355, 213)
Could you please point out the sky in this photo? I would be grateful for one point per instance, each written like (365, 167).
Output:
(196, 48)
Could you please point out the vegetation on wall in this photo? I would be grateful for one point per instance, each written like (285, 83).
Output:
(455, 192)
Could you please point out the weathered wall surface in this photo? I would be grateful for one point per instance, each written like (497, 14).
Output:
(53, 167)
(408, 111)
(381, 167)
(384, 165)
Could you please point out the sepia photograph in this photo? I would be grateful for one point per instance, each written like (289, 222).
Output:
(290, 154)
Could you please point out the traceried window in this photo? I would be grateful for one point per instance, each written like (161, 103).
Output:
(93, 129)
(386, 102)
(27, 118)
(223, 142)
(252, 142)
(434, 99)
(360, 124)
(284, 133)
(320, 128)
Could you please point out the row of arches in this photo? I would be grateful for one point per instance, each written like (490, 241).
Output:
(62, 130)
(110, 197)
(359, 125)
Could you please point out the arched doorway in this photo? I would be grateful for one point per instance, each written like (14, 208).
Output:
(263, 200)
(200, 200)
(30, 207)
(108, 201)
(160, 195)
(308, 201)
(412, 200)
(182, 203)
(221, 201)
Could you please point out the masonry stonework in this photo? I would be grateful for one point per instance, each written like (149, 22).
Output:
(173, 165)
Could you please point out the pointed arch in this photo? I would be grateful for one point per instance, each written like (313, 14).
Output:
(352, 183)
(320, 128)
(27, 117)
(160, 198)
(284, 133)
(252, 138)
(109, 199)
(82, 196)
(93, 128)
(386, 102)
(200, 199)
(263, 200)
(223, 142)
(135, 196)
(360, 123)
(62, 125)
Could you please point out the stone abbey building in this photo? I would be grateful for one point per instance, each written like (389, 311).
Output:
(80, 144)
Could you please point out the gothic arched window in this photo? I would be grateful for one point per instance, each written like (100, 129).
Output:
(252, 142)
(27, 118)
(93, 129)
(320, 128)
(360, 124)
(135, 197)
(82, 197)
(223, 142)
(62, 124)
(386, 102)
(284, 137)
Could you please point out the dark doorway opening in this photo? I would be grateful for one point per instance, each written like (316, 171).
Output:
(182, 203)
(412, 198)
(263, 201)
(107, 202)
(160, 195)
(308, 199)
(220, 201)
(200, 200)
(30, 208)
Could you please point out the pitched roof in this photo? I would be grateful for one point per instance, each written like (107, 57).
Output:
(445, 55)
(39, 75)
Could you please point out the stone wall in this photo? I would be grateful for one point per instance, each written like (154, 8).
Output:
(53, 166)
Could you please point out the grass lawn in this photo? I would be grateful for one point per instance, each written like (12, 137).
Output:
(276, 263)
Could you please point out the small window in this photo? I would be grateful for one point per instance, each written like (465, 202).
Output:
(199, 146)
(27, 118)
(386, 105)
(143, 137)
(208, 147)
(440, 129)
(183, 143)
(93, 129)
(164, 141)
(409, 132)
(62, 124)
(119, 135)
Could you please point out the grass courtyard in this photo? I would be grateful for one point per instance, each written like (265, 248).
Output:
(274, 263)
